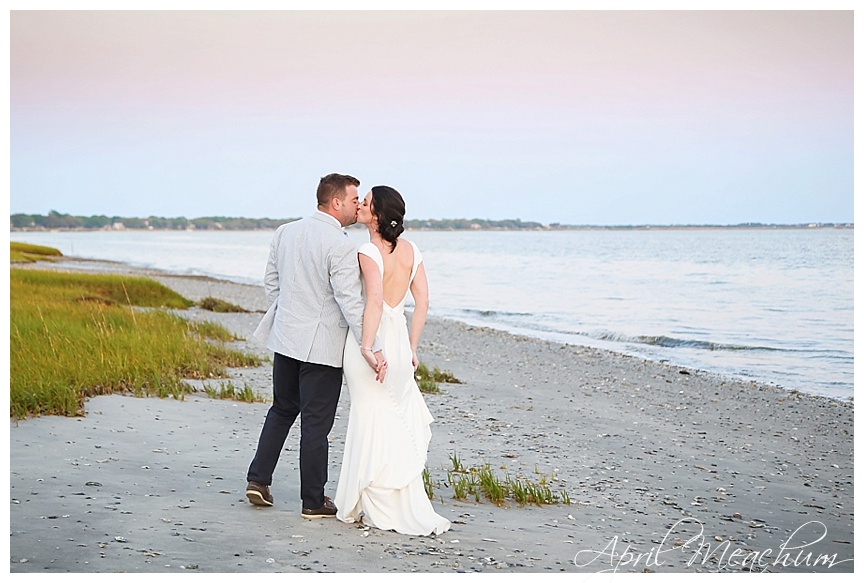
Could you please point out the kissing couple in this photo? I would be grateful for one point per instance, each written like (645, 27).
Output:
(320, 288)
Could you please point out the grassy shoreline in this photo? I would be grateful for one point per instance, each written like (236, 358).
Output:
(27, 253)
(73, 336)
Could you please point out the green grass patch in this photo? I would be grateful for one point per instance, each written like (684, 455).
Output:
(229, 391)
(464, 485)
(34, 249)
(99, 288)
(221, 306)
(427, 484)
(428, 380)
(215, 331)
(458, 466)
(74, 336)
(480, 482)
(18, 257)
(27, 253)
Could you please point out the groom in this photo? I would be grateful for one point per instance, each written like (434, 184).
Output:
(312, 282)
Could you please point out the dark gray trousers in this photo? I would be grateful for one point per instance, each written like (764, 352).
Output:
(312, 391)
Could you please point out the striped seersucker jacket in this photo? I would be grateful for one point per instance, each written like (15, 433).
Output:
(313, 287)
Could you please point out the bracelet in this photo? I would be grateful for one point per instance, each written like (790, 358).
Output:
(366, 349)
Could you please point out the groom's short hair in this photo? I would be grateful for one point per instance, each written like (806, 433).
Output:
(334, 185)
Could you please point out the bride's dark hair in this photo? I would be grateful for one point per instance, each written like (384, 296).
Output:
(389, 208)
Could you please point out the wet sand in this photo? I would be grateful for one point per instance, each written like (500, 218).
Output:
(667, 469)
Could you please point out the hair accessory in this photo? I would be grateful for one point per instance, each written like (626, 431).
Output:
(393, 223)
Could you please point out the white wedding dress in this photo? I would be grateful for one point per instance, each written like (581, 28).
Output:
(381, 480)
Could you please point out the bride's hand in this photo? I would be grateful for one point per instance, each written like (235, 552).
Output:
(414, 360)
(369, 357)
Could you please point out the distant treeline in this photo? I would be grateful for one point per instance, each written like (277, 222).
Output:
(55, 220)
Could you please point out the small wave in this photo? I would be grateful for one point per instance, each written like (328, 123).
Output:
(493, 313)
(535, 324)
(661, 340)
(670, 342)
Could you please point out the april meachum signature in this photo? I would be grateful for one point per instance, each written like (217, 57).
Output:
(793, 551)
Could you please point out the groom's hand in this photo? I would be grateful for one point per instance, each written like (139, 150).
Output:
(381, 368)
(376, 362)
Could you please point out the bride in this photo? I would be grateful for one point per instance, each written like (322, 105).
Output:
(381, 480)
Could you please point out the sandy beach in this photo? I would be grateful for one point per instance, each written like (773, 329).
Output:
(667, 469)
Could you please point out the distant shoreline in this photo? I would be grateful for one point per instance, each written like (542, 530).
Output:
(55, 221)
(408, 227)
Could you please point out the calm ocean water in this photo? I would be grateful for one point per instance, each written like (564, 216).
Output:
(769, 305)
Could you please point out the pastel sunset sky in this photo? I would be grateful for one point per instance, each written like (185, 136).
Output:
(578, 117)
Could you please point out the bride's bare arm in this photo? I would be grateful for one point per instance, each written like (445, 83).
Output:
(420, 292)
(372, 311)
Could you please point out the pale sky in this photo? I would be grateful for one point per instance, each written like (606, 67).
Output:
(578, 117)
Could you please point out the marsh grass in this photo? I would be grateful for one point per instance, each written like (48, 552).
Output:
(74, 336)
(18, 257)
(428, 380)
(481, 481)
(464, 485)
(494, 489)
(221, 306)
(229, 391)
(27, 253)
(56, 286)
(458, 466)
(427, 484)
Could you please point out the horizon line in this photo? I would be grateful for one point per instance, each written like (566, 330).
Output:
(475, 220)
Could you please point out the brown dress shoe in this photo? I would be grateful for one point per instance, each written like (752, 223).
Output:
(326, 511)
(259, 494)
